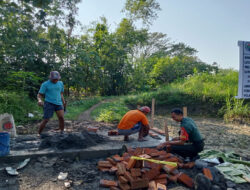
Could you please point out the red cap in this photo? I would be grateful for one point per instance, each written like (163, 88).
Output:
(145, 109)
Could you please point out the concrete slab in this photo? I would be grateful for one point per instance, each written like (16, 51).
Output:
(28, 147)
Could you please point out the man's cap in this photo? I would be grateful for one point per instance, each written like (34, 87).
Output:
(144, 109)
(54, 75)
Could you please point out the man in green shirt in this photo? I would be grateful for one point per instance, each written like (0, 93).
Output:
(190, 141)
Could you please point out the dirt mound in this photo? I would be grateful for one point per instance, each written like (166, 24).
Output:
(71, 140)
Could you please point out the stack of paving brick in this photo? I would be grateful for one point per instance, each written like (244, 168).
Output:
(138, 174)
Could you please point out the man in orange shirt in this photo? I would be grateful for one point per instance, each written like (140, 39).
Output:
(135, 121)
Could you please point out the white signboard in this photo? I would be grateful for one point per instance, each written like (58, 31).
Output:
(244, 72)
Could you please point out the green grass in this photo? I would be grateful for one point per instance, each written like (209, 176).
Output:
(75, 108)
(111, 112)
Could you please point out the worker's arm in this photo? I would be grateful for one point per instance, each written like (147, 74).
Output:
(40, 99)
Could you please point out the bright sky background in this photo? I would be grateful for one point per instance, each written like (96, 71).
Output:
(213, 27)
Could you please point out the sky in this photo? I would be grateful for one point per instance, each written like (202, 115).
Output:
(212, 27)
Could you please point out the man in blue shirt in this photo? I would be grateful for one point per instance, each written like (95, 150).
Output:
(52, 91)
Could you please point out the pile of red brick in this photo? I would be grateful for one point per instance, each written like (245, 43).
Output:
(137, 174)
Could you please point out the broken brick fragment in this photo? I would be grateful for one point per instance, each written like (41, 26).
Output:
(145, 156)
(105, 164)
(112, 133)
(121, 168)
(173, 178)
(161, 186)
(131, 163)
(117, 158)
(169, 169)
(173, 159)
(122, 179)
(92, 129)
(108, 183)
(135, 172)
(207, 173)
(139, 183)
(185, 179)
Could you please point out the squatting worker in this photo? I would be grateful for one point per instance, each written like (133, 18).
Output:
(135, 121)
(190, 141)
(52, 92)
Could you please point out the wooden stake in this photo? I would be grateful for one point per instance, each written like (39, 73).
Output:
(152, 113)
(166, 130)
(185, 111)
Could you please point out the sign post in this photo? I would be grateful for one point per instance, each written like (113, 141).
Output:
(244, 71)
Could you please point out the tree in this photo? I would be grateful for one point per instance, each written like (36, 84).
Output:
(145, 10)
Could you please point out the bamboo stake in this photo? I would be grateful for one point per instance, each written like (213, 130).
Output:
(152, 113)
(185, 111)
(166, 130)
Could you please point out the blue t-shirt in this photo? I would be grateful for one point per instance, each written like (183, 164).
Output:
(52, 92)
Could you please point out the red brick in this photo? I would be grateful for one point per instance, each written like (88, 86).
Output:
(111, 161)
(148, 164)
(113, 169)
(112, 133)
(138, 151)
(131, 163)
(189, 165)
(121, 169)
(169, 169)
(128, 176)
(173, 178)
(161, 186)
(148, 150)
(92, 129)
(161, 181)
(140, 183)
(130, 151)
(108, 183)
(126, 156)
(105, 164)
(124, 186)
(152, 185)
(151, 134)
(151, 174)
(135, 172)
(117, 158)
(103, 169)
(207, 173)
(161, 176)
(172, 159)
(185, 179)
(122, 179)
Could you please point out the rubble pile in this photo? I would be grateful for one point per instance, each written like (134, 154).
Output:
(139, 174)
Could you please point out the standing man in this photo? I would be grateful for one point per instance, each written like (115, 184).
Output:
(52, 90)
(190, 142)
(135, 121)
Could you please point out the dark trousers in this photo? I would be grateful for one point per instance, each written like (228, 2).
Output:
(189, 150)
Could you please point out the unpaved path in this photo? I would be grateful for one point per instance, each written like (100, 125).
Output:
(85, 116)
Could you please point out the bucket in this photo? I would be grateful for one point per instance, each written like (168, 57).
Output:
(4, 143)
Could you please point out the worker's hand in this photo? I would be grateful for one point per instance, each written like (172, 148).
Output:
(40, 103)
(64, 104)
